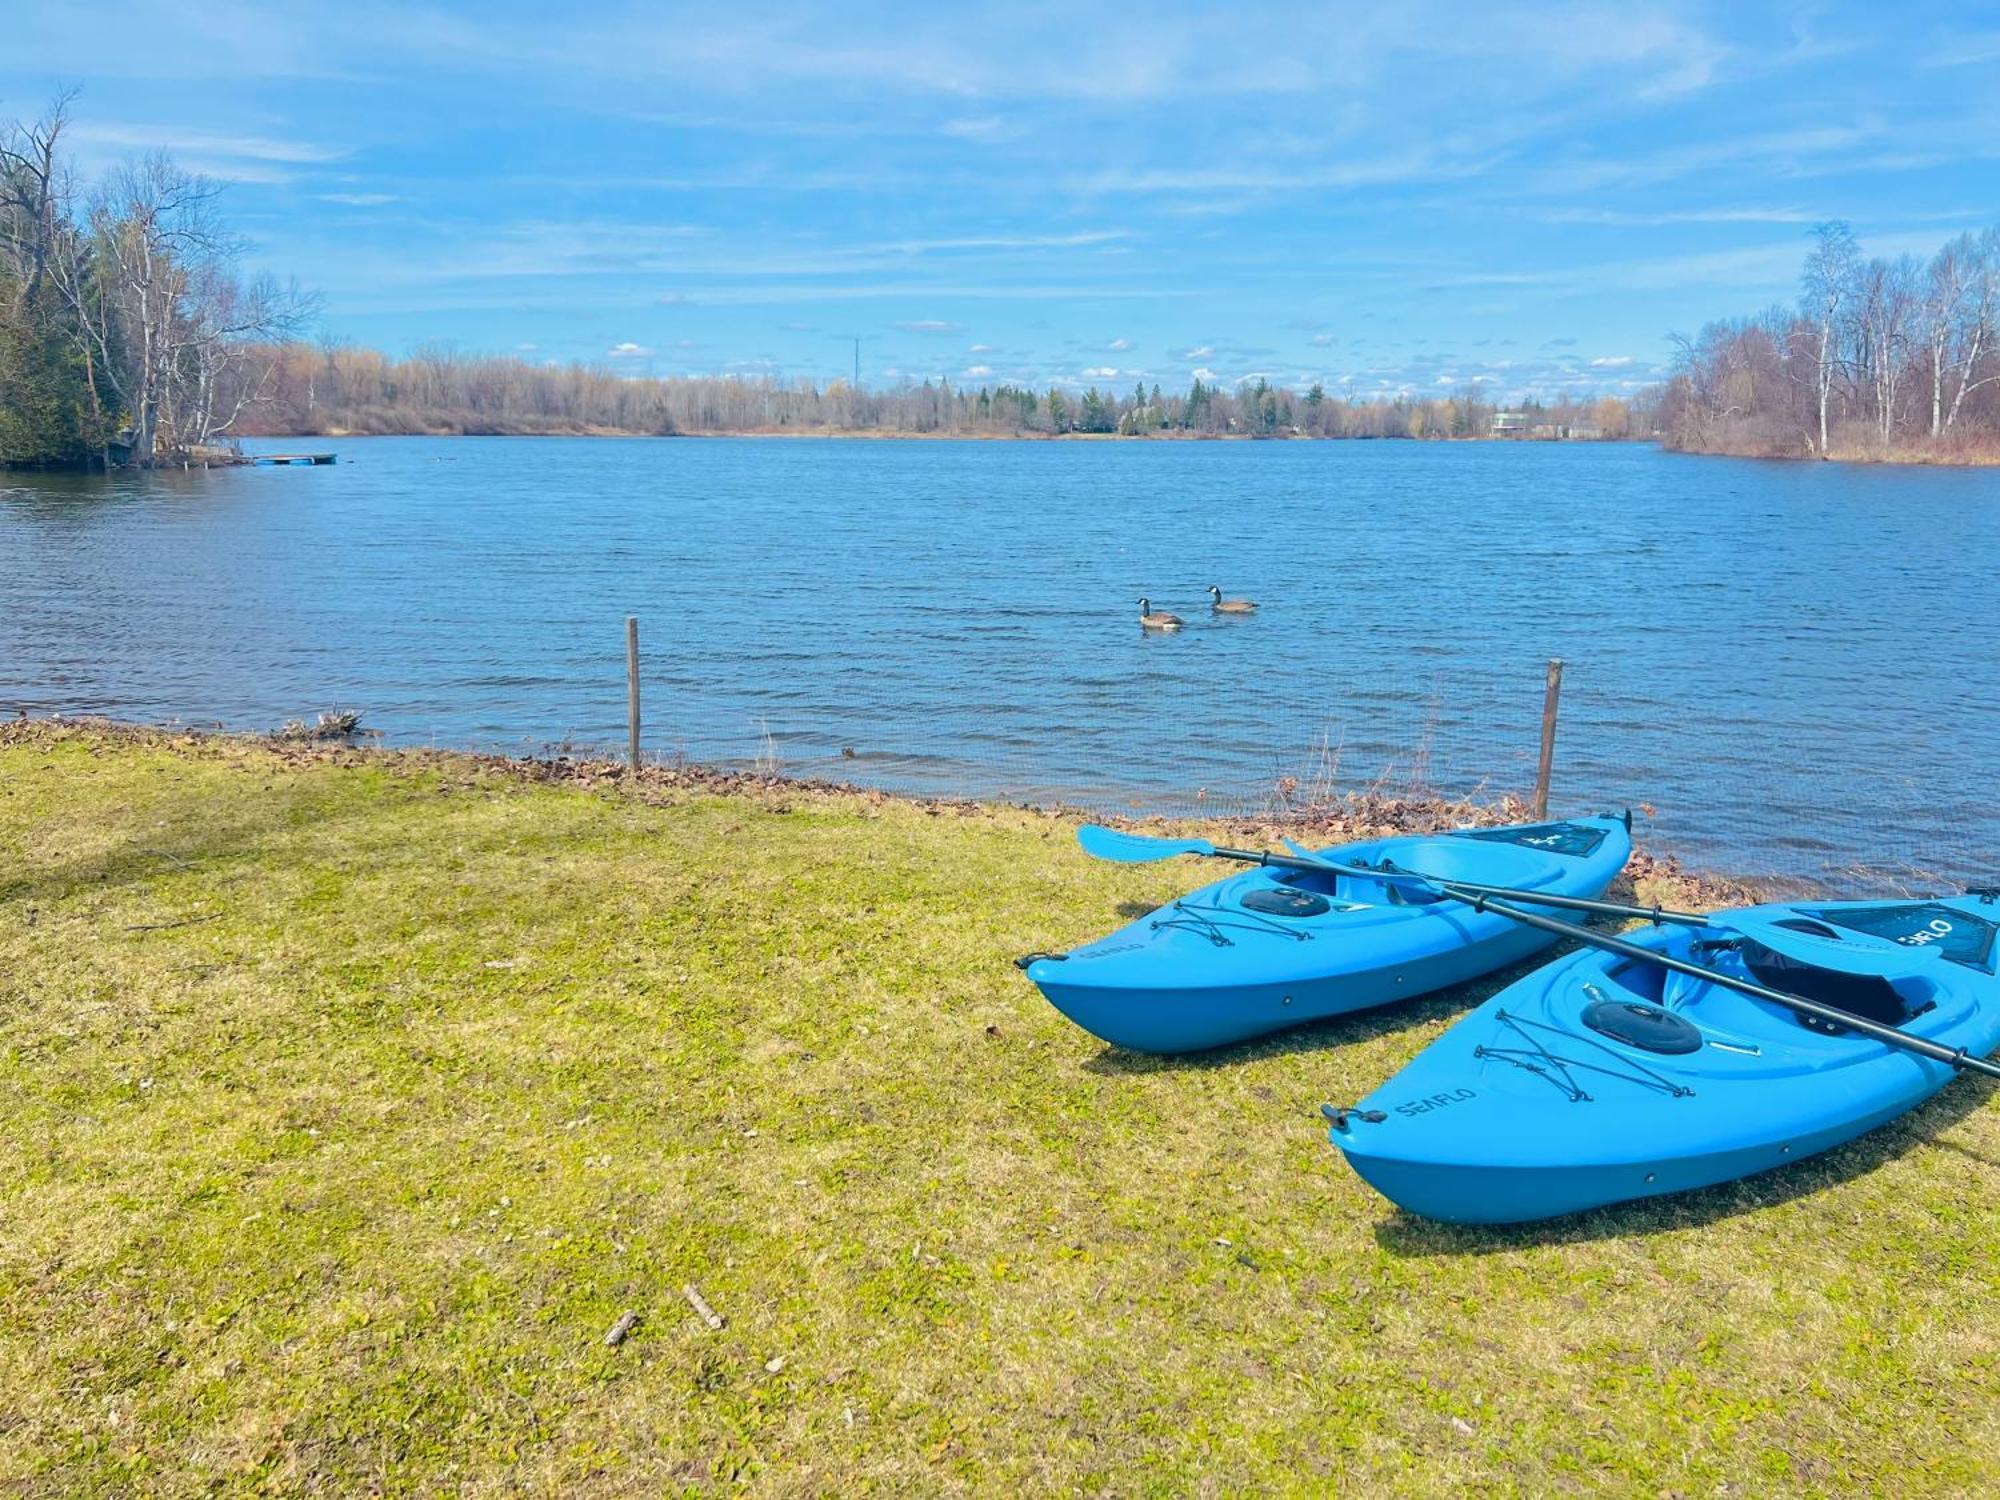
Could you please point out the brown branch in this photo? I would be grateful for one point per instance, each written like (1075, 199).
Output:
(168, 926)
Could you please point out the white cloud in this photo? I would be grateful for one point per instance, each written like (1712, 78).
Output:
(526, 348)
(980, 349)
(1100, 372)
(1964, 49)
(1610, 216)
(986, 129)
(360, 200)
(992, 242)
(1200, 351)
(1119, 346)
(1206, 374)
(930, 326)
(1611, 361)
(1786, 152)
(1322, 341)
(628, 350)
(206, 143)
(974, 372)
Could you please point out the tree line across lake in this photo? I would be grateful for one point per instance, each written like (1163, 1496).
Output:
(329, 388)
(1879, 358)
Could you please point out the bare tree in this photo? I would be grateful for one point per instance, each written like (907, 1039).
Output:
(1962, 291)
(161, 312)
(1884, 313)
(33, 192)
(224, 332)
(1829, 286)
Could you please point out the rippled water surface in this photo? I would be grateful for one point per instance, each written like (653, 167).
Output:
(1794, 664)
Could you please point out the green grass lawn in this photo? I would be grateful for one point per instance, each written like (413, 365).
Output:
(349, 1099)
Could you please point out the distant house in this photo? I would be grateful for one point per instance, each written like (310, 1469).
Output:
(1509, 423)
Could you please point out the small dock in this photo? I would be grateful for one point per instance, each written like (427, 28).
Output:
(272, 459)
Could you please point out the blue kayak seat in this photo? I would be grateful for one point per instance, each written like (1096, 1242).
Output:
(1678, 991)
(1403, 893)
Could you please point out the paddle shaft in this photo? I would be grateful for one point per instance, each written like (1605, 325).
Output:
(1957, 1057)
(1537, 898)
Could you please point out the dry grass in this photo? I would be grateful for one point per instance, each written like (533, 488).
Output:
(351, 1097)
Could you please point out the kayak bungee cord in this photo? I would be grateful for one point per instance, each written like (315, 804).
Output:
(1211, 928)
(1522, 1058)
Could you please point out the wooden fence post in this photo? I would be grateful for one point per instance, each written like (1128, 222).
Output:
(1551, 696)
(632, 683)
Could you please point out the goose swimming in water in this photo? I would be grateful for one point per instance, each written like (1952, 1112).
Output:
(1150, 620)
(1224, 606)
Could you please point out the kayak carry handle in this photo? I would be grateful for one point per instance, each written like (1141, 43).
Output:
(1338, 1114)
(1030, 958)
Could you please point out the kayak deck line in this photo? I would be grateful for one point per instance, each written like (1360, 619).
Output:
(1211, 927)
(1576, 1091)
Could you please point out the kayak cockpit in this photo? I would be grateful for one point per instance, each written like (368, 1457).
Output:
(1443, 857)
(1912, 990)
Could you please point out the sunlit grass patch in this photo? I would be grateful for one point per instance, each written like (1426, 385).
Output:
(349, 1099)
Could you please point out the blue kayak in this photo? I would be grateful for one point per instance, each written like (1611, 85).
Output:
(1271, 948)
(1600, 1078)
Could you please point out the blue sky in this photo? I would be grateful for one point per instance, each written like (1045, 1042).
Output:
(1400, 196)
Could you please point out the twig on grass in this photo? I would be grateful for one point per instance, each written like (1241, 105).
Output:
(699, 1303)
(627, 1321)
(214, 916)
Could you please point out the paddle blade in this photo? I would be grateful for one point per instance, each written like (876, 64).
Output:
(1135, 848)
(1300, 851)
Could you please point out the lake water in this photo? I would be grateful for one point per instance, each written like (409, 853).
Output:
(1794, 664)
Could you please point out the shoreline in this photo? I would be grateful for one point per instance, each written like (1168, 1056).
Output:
(1861, 457)
(1649, 877)
(1902, 458)
(1898, 458)
(898, 434)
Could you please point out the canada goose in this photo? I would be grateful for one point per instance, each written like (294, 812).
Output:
(1148, 620)
(1224, 606)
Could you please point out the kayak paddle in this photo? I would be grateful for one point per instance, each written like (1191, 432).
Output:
(1139, 848)
(1833, 1015)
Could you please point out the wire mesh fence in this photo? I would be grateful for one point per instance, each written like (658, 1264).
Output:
(1736, 793)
